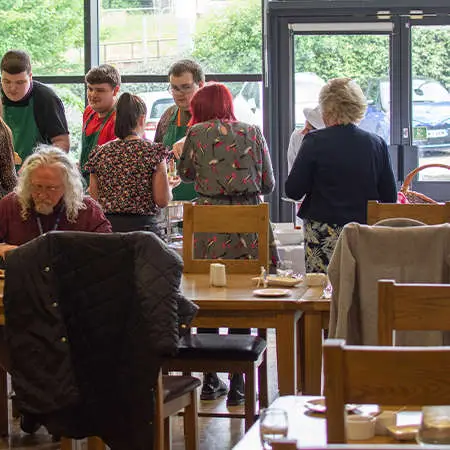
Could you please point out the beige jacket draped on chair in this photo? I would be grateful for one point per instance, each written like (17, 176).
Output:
(365, 254)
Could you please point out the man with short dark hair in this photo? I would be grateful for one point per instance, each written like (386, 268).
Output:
(99, 118)
(185, 78)
(32, 110)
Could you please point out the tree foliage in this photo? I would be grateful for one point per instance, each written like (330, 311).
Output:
(45, 29)
(229, 40)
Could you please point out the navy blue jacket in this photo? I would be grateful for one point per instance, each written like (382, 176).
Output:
(338, 169)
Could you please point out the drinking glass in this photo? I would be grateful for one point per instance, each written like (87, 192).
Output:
(435, 426)
(273, 424)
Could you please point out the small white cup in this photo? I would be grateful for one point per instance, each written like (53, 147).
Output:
(384, 420)
(217, 275)
(360, 428)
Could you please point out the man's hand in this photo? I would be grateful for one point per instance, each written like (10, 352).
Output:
(5, 248)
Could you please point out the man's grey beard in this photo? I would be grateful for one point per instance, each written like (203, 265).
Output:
(43, 208)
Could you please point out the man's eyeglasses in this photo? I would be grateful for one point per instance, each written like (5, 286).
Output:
(39, 189)
(185, 89)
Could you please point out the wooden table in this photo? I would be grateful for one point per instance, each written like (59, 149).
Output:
(310, 429)
(235, 306)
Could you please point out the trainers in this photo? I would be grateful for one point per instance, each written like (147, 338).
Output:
(236, 396)
(213, 387)
(29, 424)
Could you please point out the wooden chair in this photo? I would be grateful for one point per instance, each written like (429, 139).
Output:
(429, 214)
(233, 353)
(173, 394)
(381, 375)
(226, 219)
(411, 307)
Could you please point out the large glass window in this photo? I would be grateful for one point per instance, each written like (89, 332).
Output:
(50, 31)
(146, 36)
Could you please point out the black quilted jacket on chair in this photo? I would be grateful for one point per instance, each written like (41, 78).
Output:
(89, 318)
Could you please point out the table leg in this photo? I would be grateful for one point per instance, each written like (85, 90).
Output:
(313, 353)
(287, 353)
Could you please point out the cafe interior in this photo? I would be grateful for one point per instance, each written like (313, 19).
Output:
(353, 357)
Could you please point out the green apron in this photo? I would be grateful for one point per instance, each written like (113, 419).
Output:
(89, 142)
(185, 191)
(25, 132)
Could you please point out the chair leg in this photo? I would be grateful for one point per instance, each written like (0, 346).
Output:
(167, 434)
(263, 386)
(190, 423)
(250, 398)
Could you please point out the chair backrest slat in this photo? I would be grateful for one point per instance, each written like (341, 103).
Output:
(381, 375)
(430, 214)
(424, 307)
(226, 219)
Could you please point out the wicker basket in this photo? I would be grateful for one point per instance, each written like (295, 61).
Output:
(413, 196)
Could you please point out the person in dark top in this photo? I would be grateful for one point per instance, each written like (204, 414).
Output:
(128, 176)
(33, 112)
(338, 169)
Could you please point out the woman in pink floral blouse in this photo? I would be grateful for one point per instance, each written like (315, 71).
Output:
(128, 176)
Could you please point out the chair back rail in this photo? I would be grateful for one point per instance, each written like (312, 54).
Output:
(411, 307)
(430, 214)
(381, 375)
(226, 219)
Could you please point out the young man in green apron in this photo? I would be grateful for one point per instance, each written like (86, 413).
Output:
(103, 84)
(185, 78)
(32, 110)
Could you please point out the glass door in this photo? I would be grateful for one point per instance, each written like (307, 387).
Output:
(430, 101)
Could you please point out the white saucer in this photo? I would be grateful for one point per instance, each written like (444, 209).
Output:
(271, 292)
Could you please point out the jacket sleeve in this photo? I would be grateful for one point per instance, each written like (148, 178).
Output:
(300, 179)
(341, 272)
(268, 180)
(186, 167)
(387, 187)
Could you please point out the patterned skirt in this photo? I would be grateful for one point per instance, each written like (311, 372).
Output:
(320, 240)
(232, 245)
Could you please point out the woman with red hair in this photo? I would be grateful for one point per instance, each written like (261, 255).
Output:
(229, 162)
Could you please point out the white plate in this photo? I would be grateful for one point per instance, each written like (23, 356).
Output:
(271, 292)
(318, 406)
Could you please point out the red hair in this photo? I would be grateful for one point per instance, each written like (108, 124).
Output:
(212, 101)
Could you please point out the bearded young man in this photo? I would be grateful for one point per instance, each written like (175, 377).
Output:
(49, 196)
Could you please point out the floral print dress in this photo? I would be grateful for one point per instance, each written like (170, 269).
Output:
(229, 162)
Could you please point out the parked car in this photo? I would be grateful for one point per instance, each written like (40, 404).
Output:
(248, 102)
(430, 113)
(157, 102)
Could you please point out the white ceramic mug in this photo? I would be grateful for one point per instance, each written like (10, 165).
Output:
(360, 428)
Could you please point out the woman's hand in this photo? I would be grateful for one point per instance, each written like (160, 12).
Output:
(174, 181)
(177, 148)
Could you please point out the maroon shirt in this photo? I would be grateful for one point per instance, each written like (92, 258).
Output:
(15, 231)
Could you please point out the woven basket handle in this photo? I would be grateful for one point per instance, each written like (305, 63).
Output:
(413, 173)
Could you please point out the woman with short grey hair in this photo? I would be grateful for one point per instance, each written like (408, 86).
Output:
(338, 170)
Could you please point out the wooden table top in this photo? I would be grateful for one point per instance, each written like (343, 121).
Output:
(240, 289)
(310, 429)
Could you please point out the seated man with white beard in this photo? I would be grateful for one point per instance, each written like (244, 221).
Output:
(49, 196)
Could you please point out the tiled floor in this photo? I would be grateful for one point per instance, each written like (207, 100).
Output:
(215, 433)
